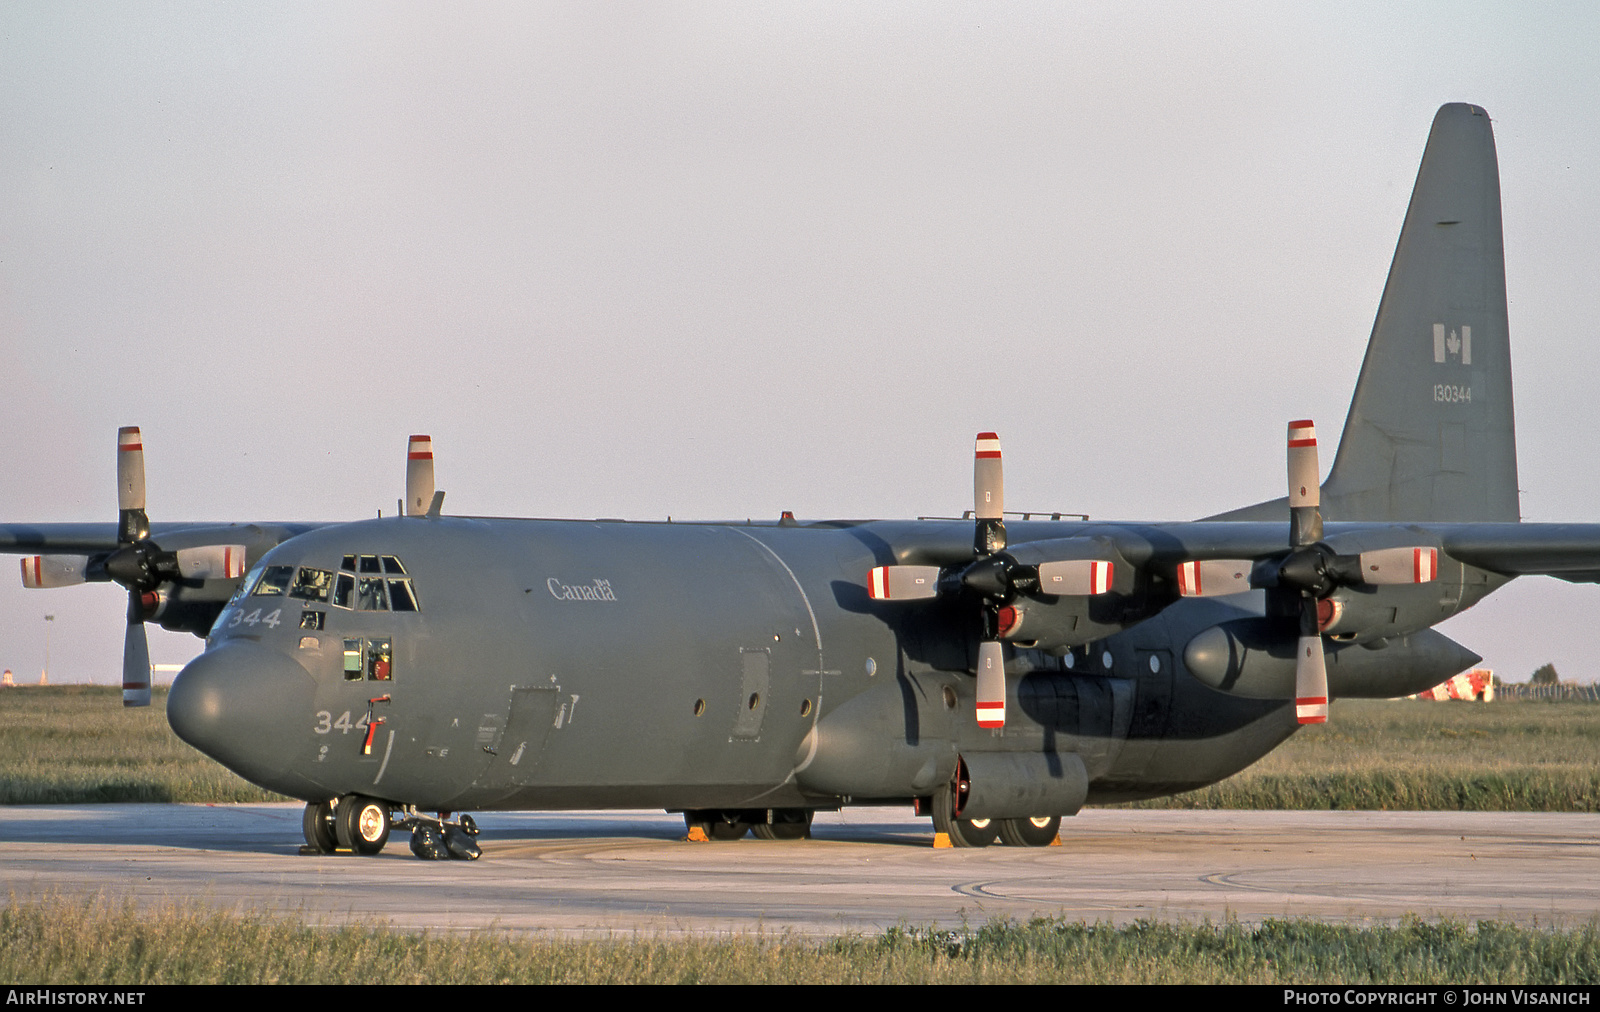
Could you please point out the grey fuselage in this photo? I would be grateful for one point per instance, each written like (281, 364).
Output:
(567, 664)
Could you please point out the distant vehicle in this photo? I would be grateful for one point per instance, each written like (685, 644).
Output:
(1477, 684)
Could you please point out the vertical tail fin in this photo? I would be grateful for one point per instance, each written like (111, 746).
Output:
(1430, 434)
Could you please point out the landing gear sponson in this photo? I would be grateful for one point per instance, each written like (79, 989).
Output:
(359, 825)
(795, 824)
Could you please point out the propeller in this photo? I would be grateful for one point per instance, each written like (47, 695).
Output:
(1311, 568)
(994, 576)
(138, 564)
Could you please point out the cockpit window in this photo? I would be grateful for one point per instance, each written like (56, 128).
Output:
(370, 596)
(248, 582)
(388, 588)
(312, 585)
(274, 581)
(400, 598)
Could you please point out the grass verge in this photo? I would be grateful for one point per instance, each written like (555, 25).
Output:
(61, 942)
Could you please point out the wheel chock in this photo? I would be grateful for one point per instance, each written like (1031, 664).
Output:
(941, 840)
(697, 835)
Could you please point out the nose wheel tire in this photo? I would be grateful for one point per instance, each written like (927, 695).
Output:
(361, 824)
(1039, 831)
(317, 824)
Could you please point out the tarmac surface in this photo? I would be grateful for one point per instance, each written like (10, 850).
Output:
(597, 873)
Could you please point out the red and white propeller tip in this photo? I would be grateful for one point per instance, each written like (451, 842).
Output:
(903, 583)
(988, 479)
(1076, 577)
(1303, 487)
(419, 475)
(1214, 577)
(1311, 682)
(991, 684)
(130, 468)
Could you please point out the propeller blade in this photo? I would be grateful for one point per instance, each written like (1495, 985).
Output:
(54, 570)
(988, 495)
(1311, 682)
(991, 684)
(133, 525)
(1075, 578)
(135, 661)
(1310, 668)
(211, 562)
(1305, 494)
(1214, 577)
(1399, 565)
(903, 583)
(419, 475)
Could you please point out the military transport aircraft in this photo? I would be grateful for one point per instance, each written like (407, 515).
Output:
(997, 672)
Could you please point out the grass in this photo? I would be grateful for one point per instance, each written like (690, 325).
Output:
(1407, 755)
(62, 942)
(77, 744)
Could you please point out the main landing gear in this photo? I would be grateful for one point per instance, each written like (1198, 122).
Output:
(355, 824)
(945, 807)
(762, 823)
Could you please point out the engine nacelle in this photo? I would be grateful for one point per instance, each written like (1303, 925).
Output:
(1255, 658)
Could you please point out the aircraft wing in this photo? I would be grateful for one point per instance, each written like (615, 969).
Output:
(92, 538)
(1569, 552)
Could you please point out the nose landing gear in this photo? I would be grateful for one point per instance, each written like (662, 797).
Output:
(441, 839)
(354, 824)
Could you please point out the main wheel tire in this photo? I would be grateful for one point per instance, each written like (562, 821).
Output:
(317, 824)
(723, 830)
(962, 832)
(786, 824)
(362, 824)
(1039, 831)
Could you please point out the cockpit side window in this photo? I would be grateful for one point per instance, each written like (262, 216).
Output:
(274, 581)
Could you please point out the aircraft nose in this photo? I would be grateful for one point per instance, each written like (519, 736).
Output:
(238, 703)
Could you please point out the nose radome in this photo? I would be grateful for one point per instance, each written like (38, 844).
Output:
(241, 703)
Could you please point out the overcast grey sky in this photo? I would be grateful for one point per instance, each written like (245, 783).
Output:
(721, 260)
